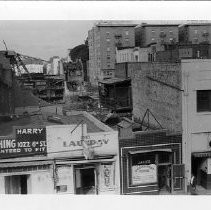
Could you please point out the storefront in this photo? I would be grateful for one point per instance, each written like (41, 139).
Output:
(151, 163)
(201, 159)
(85, 163)
(24, 166)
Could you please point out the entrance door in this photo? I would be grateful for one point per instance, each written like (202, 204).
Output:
(16, 184)
(85, 181)
(164, 177)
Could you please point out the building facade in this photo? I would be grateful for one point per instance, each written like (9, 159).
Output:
(196, 77)
(103, 39)
(145, 34)
(195, 33)
(72, 154)
(151, 163)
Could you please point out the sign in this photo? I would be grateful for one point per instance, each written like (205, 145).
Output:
(28, 141)
(142, 174)
(107, 176)
(60, 139)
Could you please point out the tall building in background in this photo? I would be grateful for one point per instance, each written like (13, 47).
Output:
(147, 34)
(195, 33)
(103, 39)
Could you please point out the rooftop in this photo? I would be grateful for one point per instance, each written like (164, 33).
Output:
(42, 118)
(113, 80)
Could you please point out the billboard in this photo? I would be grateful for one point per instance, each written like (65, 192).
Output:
(27, 142)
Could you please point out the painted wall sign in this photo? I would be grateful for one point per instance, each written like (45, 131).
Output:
(107, 176)
(60, 139)
(142, 174)
(27, 141)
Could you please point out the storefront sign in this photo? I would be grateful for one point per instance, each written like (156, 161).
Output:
(142, 174)
(28, 141)
(61, 139)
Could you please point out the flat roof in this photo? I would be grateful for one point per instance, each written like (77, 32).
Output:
(195, 24)
(37, 119)
(113, 80)
(158, 25)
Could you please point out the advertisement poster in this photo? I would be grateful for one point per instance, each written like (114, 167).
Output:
(27, 142)
(142, 174)
(107, 176)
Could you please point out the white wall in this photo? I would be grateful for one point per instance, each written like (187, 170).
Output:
(196, 75)
(2, 185)
(42, 182)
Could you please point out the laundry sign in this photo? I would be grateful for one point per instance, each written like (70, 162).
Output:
(61, 139)
(142, 174)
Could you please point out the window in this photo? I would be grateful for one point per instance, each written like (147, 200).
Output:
(108, 40)
(107, 33)
(108, 48)
(171, 32)
(143, 169)
(126, 33)
(195, 31)
(203, 100)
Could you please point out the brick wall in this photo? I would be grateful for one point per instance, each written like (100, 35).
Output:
(162, 98)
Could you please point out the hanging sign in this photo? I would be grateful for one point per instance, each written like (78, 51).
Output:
(142, 174)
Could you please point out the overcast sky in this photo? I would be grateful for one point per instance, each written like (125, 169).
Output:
(43, 39)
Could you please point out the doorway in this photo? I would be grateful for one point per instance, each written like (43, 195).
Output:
(164, 177)
(16, 184)
(85, 181)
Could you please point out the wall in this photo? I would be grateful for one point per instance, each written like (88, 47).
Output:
(145, 36)
(162, 100)
(42, 182)
(196, 75)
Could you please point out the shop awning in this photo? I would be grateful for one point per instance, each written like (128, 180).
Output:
(24, 164)
(152, 150)
(201, 154)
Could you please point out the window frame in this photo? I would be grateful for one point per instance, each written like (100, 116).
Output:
(201, 108)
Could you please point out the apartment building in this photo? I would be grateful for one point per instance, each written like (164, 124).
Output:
(103, 39)
(146, 34)
(195, 33)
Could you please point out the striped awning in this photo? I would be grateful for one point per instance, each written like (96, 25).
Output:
(201, 154)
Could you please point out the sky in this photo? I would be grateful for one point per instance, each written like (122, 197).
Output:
(43, 38)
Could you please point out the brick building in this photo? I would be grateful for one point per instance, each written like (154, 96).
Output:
(103, 39)
(146, 34)
(195, 33)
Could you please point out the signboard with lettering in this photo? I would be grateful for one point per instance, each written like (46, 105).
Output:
(61, 139)
(27, 142)
(107, 176)
(142, 174)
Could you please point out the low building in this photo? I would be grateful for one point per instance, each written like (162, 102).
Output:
(45, 153)
(150, 163)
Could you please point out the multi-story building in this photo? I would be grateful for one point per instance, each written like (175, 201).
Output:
(195, 33)
(196, 117)
(103, 39)
(145, 34)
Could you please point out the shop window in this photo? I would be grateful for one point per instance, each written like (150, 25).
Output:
(203, 100)
(16, 184)
(143, 169)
